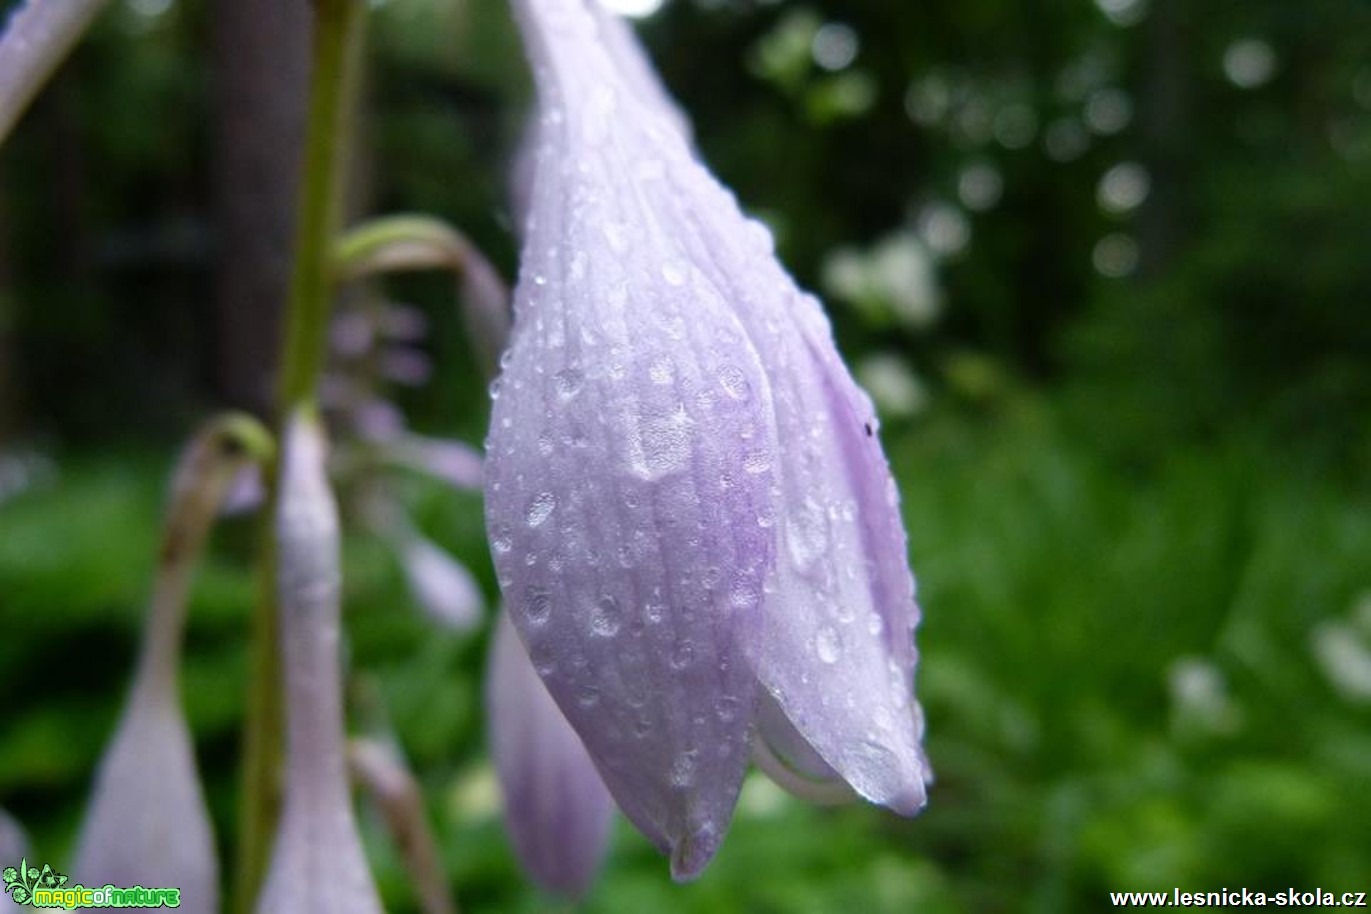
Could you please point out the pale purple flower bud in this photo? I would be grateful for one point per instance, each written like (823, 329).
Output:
(246, 492)
(405, 366)
(147, 823)
(440, 584)
(377, 420)
(352, 333)
(485, 297)
(556, 806)
(403, 322)
(687, 502)
(14, 844)
(317, 864)
(454, 462)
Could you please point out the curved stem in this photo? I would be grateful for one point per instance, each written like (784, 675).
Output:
(336, 52)
(416, 242)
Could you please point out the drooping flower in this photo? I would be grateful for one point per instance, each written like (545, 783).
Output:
(556, 806)
(147, 823)
(692, 520)
(317, 863)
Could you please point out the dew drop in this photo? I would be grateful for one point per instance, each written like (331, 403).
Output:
(654, 611)
(682, 656)
(662, 371)
(660, 445)
(757, 461)
(683, 770)
(743, 595)
(759, 237)
(807, 534)
(828, 644)
(577, 270)
(606, 618)
(540, 509)
(537, 604)
(569, 382)
(674, 272)
(734, 382)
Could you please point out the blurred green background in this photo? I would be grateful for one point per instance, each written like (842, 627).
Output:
(1105, 267)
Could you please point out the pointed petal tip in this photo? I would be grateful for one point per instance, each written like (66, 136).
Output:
(691, 854)
(910, 803)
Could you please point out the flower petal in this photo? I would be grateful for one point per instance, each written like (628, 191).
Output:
(556, 806)
(632, 62)
(147, 823)
(317, 863)
(455, 462)
(13, 842)
(789, 760)
(833, 643)
(629, 476)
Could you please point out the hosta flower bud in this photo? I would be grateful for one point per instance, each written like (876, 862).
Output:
(147, 823)
(690, 512)
(556, 806)
(440, 584)
(317, 864)
(13, 842)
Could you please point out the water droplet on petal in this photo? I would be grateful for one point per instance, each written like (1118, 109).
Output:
(663, 371)
(540, 509)
(828, 644)
(683, 770)
(674, 272)
(743, 595)
(569, 382)
(734, 382)
(606, 618)
(537, 604)
(682, 656)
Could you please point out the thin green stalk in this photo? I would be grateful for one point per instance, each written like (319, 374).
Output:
(336, 54)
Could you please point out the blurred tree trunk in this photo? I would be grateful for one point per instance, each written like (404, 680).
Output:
(261, 57)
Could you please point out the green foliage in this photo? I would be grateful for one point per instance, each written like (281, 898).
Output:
(1127, 676)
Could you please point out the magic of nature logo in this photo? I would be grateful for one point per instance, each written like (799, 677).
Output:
(47, 888)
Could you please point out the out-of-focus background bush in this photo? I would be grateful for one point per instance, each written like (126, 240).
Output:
(1106, 268)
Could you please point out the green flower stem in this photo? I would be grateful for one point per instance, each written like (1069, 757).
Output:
(404, 242)
(207, 469)
(415, 242)
(338, 30)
